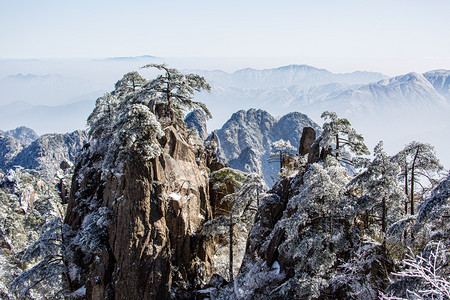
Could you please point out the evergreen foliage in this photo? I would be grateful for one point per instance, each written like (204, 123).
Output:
(338, 132)
(176, 90)
(281, 152)
(417, 160)
(379, 189)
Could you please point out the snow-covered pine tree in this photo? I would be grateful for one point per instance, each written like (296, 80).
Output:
(45, 279)
(175, 90)
(339, 132)
(281, 152)
(130, 82)
(417, 160)
(379, 189)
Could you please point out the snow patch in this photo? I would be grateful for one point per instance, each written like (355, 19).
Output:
(81, 292)
(175, 196)
(276, 267)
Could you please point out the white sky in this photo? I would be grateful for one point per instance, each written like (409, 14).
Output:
(393, 37)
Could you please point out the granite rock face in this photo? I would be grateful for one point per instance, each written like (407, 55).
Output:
(44, 154)
(306, 141)
(245, 139)
(149, 247)
(23, 134)
(197, 120)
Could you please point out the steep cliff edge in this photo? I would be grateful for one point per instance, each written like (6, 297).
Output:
(155, 208)
(140, 199)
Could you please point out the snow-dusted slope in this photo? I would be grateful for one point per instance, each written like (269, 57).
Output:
(410, 92)
(246, 138)
(23, 134)
(299, 75)
(44, 154)
(440, 79)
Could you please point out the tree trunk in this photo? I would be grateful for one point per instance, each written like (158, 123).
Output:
(281, 160)
(337, 145)
(412, 181)
(257, 196)
(231, 246)
(406, 188)
(383, 215)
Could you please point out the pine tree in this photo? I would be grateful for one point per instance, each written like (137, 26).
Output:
(417, 160)
(281, 152)
(176, 91)
(338, 132)
(130, 82)
(379, 187)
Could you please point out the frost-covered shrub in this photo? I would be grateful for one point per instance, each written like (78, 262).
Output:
(380, 190)
(136, 130)
(338, 133)
(432, 218)
(281, 153)
(46, 278)
(227, 178)
(426, 276)
(93, 235)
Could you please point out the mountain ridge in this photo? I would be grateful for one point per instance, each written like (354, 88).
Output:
(245, 140)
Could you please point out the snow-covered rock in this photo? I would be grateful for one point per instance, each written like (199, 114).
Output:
(246, 138)
(44, 154)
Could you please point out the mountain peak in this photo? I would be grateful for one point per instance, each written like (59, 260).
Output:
(256, 129)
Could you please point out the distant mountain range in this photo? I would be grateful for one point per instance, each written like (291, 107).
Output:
(46, 119)
(412, 104)
(397, 110)
(311, 90)
(302, 76)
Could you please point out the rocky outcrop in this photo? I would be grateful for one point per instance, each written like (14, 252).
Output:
(9, 149)
(305, 243)
(150, 247)
(23, 134)
(245, 139)
(306, 141)
(44, 154)
(197, 120)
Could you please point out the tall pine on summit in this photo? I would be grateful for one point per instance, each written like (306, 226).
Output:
(175, 91)
(338, 131)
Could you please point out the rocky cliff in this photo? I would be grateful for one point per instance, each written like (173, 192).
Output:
(43, 154)
(197, 120)
(23, 134)
(245, 139)
(140, 229)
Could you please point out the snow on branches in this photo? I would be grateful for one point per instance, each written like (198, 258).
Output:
(338, 132)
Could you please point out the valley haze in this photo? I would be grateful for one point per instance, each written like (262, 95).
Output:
(57, 95)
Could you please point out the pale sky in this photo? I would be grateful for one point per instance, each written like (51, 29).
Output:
(394, 37)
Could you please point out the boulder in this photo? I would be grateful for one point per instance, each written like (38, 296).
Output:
(307, 139)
